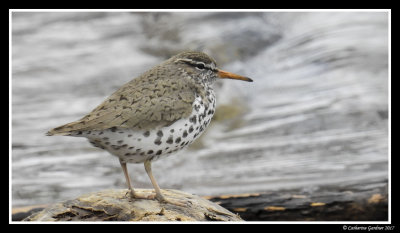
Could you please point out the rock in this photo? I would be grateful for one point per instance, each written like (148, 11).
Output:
(116, 205)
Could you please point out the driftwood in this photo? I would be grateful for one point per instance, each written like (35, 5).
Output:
(116, 205)
(364, 202)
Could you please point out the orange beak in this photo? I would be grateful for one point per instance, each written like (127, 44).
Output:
(226, 74)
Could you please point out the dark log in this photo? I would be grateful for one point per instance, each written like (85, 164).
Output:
(362, 202)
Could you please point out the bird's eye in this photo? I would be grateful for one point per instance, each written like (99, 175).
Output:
(200, 66)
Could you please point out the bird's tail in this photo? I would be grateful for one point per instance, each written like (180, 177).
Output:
(64, 130)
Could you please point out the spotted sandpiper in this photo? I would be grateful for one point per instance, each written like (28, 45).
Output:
(162, 111)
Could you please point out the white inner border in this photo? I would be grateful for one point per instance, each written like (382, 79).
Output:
(364, 223)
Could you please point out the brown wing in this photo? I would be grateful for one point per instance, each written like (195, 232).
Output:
(143, 103)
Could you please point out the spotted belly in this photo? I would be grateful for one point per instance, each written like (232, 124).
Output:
(137, 146)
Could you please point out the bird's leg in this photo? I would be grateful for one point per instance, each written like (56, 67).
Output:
(128, 180)
(133, 194)
(159, 196)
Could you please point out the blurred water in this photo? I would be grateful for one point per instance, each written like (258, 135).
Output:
(316, 114)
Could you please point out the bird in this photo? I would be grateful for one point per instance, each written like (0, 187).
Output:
(154, 115)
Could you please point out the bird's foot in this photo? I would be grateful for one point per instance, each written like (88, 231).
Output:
(135, 195)
(181, 203)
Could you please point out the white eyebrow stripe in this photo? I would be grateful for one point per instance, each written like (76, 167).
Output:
(199, 62)
(207, 66)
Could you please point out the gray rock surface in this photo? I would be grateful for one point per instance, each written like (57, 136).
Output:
(116, 205)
